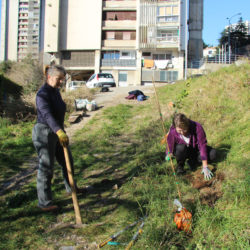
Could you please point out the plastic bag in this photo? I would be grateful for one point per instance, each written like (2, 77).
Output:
(183, 220)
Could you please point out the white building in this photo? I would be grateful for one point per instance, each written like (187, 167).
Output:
(135, 40)
(209, 52)
(21, 26)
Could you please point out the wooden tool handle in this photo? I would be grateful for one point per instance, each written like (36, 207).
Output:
(72, 185)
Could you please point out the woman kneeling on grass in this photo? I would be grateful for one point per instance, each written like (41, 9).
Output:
(187, 140)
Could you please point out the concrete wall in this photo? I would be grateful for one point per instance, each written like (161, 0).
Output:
(195, 44)
(4, 23)
(183, 24)
(80, 24)
(51, 26)
(12, 30)
(178, 62)
(9, 30)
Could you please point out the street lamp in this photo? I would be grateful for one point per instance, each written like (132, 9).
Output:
(229, 30)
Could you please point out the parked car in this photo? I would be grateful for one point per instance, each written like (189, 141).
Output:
(101, 80)
(73, 85)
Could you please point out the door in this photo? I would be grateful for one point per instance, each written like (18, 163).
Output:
(123, 79)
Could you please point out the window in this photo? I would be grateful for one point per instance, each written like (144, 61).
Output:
(168, 13)
(126, 35)
(110, 35)
(123, 76)
(128, 55)
(105, 75)
(111, 55)
(146, 54)
(162, 56)
(167, 35)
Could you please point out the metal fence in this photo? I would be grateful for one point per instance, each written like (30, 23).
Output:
(218, 59)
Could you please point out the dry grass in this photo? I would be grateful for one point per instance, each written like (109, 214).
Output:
(27, 73)
(81, 93)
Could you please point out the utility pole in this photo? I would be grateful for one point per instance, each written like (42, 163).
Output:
(229, 31)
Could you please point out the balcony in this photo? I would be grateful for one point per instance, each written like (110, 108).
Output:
(168, 42)
(119, 5)
(118, 44)
(119, 25)
(118, 62)
(22, 45)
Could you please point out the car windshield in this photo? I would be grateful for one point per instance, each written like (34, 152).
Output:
(105, 76)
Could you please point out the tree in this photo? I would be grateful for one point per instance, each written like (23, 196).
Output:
(238, 36)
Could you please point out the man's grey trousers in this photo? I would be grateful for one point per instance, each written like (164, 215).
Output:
(48, 148)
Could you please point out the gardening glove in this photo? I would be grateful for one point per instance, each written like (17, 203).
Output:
(63, 138)
(207, 173)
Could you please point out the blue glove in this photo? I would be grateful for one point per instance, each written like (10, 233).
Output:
(207, 173)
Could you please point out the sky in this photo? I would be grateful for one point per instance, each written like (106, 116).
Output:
(215, 17)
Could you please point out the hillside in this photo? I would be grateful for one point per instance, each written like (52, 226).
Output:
(118, 153)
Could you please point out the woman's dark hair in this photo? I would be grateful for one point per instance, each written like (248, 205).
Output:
(181, 121)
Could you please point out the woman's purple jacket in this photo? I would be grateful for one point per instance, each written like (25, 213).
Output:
(197, 139)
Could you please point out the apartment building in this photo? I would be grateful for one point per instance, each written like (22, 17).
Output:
(136, 40)
(21, 29)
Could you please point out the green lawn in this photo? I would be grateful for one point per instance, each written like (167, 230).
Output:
(121, 146)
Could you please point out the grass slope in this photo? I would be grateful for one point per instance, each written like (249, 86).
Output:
(121, 148)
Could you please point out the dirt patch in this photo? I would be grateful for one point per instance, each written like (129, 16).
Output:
(210, 191)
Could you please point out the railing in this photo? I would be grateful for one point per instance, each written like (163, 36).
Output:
(196, 64)
(119, 62)
(223, 59)
(168, 39)
(217, 59)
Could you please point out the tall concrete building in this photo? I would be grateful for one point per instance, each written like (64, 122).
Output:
(21, 29)
(135, 40)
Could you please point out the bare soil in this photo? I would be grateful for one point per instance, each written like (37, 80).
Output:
(211, 190)
(106, 99)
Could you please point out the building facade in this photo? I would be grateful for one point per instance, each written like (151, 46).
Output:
(136, 40)
(21, 29)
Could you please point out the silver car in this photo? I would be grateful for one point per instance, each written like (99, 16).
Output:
(101, 80)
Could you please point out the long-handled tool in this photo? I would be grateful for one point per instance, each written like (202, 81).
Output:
(72, 185)
(139, 231)
(185, 216)
(111, 238)
(165, 132)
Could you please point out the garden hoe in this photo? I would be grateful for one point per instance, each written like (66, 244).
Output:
(73, 188)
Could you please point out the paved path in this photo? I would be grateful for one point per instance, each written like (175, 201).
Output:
(106, 99)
